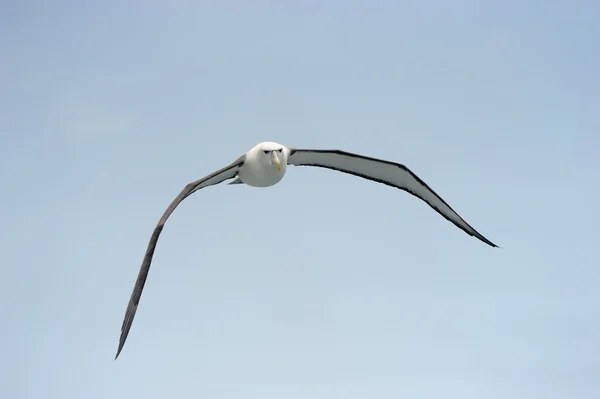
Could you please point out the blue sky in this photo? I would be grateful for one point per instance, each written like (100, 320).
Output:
(324, 286)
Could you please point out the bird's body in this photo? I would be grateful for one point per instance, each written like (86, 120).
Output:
(265, 165)
(258, 170)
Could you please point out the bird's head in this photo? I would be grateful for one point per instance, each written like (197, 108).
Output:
(274, 154)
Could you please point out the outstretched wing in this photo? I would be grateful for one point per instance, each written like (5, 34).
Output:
(228, 172)
(389, 173)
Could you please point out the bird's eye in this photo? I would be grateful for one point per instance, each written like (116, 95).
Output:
(266, 151)
(281, 149)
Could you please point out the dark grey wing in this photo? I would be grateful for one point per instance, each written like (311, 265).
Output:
(390, 173)
(228, 172)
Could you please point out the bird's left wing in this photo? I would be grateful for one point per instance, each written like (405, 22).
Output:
(228, 172)
(389, 173)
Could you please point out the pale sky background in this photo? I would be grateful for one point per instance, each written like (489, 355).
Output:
(326, 285)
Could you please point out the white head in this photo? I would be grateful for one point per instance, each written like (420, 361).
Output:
(265, 164)
(272, 155)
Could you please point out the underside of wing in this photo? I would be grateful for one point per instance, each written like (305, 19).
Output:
(381, 171)
(228, 172)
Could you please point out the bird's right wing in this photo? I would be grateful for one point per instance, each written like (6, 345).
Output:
(228, 172)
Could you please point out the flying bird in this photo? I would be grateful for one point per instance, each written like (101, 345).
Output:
(265, 165)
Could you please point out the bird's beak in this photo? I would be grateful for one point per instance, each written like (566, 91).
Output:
(276, 157)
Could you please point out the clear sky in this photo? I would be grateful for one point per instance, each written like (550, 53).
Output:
(326, 285)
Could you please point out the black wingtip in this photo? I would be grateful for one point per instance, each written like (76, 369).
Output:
(486, 241)
(124, 334)
(119, 350)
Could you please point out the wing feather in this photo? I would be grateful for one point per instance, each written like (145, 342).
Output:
(228, 172)
(381, 171)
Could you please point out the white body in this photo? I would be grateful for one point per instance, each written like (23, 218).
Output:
(259, 169)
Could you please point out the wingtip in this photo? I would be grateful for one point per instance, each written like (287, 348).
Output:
(491, 244)
(120, 348)
(481, 238)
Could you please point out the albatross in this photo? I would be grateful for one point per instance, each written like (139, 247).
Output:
(265, 164)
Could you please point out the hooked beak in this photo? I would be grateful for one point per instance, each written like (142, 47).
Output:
(276, 159)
